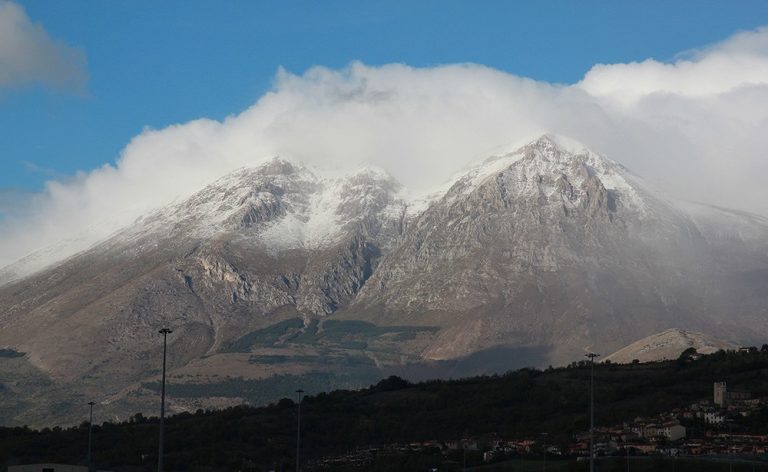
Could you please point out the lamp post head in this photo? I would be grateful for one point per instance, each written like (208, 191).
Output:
(165, 331)
(91, 403)
(299, 391)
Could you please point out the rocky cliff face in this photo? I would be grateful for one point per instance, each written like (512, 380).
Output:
(277, 272)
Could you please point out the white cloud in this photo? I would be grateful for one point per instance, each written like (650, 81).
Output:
(697, 127)
(29, 55)
(737, 62)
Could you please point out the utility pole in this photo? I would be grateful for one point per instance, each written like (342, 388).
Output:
(165, 332)
(90, 437)
(730, 441)
(627, 448)
(544, 441)
(298, 430)
(591, 357)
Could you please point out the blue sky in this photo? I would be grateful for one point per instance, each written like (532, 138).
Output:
(154, 64)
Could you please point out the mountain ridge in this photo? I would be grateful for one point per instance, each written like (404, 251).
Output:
(543, 252)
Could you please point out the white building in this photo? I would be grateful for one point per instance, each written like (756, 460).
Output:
(713, 417)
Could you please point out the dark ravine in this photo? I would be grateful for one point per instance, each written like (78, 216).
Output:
(533, 256)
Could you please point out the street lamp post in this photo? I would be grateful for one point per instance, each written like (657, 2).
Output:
(544, 441)
(730, 443)
(298, 430)
(165, 332)
(90, 437)
(627, 448)
(591, 357)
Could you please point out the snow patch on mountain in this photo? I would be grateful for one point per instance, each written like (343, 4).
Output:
(320, 223)
(320, 227)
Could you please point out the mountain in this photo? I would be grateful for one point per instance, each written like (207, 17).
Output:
(255, 248)
(668, 345)
(558, 249)
(279, 276)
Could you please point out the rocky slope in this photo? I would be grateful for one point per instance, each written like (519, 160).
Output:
(252, 249)
(667, 345)
(277, 276)
(557, 248)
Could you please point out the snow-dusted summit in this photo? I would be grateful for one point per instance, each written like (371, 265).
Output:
(281, 205)
(554, 166)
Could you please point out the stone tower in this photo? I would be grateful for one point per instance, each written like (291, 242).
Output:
(720, 394)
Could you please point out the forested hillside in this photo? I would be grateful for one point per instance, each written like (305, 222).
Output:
(522, 403)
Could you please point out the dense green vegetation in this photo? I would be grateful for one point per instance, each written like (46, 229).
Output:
(256, 390)
(346, 334)
(265, 336)
(522, 403)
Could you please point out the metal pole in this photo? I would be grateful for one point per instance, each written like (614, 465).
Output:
(592, 416)
(544, 441)
(165, 332)
(591, 357)
(90, 437)
(298, 431)
(730, 441)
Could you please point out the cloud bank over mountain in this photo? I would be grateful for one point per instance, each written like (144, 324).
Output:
(697, 127)
(736, 63)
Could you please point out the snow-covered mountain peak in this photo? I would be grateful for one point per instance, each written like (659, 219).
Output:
(241, 198)
(554, 167)
(280, 166)
(545, 153)
(280, 204)
(554, 144)
(552, 152)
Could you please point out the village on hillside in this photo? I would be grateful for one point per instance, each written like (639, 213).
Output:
(705, 427)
